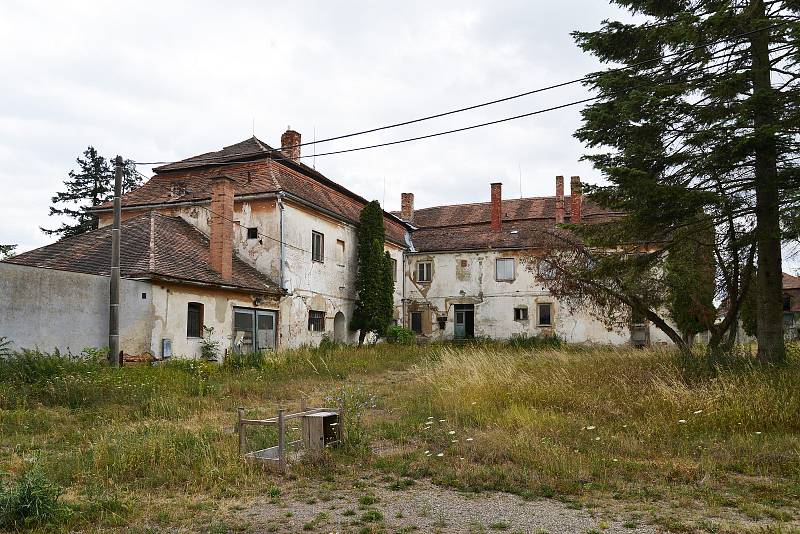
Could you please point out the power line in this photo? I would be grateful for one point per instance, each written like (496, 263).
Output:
(506, 99)
(454, 130)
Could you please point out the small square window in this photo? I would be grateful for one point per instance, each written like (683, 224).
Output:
(416, 322)
(424, 270)
(520, 314)
(316, 321)
(546, 314)
(504, 269)
(317, 247)
(252, 233)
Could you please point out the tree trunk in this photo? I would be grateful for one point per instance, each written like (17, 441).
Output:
(768, 232)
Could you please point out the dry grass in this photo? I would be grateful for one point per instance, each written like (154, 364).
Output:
(153, 446)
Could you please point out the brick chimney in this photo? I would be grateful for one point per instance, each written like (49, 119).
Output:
(559, 200)
(407, 206)
(289, 144)
(222, 226)
(577, 199)
(497, 206)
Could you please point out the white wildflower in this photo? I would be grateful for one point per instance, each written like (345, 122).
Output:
(697, 412)
(591, 427)
(440, 454)
(681, 421)
(452, 432)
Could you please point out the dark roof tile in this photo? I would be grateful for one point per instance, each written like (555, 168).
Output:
(153, 246)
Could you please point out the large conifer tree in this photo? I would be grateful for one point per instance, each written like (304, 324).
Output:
(707, 118)
(91, 185)
(374, 280)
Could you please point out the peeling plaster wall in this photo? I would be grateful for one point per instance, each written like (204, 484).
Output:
(470, 278)
(49, 309)
(327, 286)
(171, 312)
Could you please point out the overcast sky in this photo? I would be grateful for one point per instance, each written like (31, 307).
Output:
(167, 80)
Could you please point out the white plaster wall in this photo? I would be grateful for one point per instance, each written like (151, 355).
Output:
(48, 309)
(328, 286)
(494, 301)
(171, 312)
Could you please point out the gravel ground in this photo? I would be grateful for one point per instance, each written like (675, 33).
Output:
(422, 507)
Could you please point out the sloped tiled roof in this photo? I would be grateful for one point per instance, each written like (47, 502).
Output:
(790, 282)
(152, 246)
(525, 223)
(258, 169)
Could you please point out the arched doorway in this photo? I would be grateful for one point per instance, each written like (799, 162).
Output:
(339, 328)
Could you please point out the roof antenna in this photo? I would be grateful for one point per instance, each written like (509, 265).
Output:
(254, 126)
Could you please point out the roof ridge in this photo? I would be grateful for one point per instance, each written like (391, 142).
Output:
(489, 202)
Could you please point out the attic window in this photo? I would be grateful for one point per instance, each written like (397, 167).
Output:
(252, 233)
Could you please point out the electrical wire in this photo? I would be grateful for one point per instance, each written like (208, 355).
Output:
(484, 104)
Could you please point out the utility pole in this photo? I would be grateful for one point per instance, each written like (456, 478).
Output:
(113, 305)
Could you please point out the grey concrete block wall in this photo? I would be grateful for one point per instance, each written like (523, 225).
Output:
(48, 309)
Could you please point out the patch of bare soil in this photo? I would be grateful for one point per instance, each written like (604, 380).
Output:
(420, 506)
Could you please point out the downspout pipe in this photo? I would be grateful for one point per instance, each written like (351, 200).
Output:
(281, 209)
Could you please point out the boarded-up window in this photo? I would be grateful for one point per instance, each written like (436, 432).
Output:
(545, 314)
(317, 247)
(194, 320)
(520, 314)
(340, 251)
(424, 270)
(316, 321)
(416, 322)
(504, 269)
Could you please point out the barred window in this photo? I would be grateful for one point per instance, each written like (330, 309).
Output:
(316, 321)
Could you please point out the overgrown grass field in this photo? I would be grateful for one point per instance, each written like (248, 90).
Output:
(152, 447)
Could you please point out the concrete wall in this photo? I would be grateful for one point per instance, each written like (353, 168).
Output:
(470, 278)
(48, 309)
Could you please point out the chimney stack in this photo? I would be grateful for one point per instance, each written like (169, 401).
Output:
(289, 144)
(577, 200)
(221, 242)
(497, 206)
(407, 207)
(559, 200)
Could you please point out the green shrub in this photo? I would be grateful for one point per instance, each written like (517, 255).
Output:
(249, 360)
(399, 335)
(30, 502)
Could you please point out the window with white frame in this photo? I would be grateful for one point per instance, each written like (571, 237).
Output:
(317, 247)
(521, 313)
(424, 271)
(504, 269)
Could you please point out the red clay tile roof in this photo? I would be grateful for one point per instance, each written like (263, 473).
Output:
(190, 180)
(790, 282)
(153, 246)
(467, 226)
